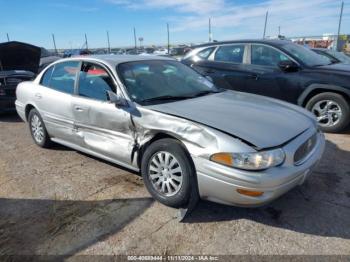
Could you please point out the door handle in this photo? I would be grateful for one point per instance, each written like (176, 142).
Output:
(254, 76)
(38, 95)
(79, 109)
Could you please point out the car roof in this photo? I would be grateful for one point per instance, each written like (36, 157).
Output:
(320, 49)
(118, 59)
(114, 60)
(274, 42)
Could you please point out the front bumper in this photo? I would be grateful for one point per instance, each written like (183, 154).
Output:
(219, 183)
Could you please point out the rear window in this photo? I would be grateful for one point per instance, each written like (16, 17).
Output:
(62, 77)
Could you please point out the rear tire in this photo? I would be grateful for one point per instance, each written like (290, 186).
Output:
(38, 130)
(168, 172)
(332, 111)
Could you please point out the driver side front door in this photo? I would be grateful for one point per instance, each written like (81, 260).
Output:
(266, 78)
(101, 126)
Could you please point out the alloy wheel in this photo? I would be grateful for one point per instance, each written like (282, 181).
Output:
(37, 129)
(327, 112)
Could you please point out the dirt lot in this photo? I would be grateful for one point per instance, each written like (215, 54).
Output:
(61, 202)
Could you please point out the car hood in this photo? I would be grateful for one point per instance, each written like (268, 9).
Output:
(339, 67)
(19, 56)
(262, 122)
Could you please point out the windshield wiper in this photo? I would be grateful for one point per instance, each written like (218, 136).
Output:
(166, 97)
(207, 92)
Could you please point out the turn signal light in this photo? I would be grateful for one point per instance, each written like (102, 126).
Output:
(222, 158)
(250, 193)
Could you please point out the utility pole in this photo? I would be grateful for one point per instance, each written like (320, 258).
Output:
(210, 36)
(8, 38)
(279, 30)
(86, 43)
(135, 39)
(109, 44)
(267, 14)
(340, 18)
(167, 26)
(54, 43)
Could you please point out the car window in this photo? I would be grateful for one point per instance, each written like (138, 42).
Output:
(230, 53)
(94, 82)
(305, 55)
(149, 79)
(46, 78)
(63, 77)
(205, 53)
(266, 56)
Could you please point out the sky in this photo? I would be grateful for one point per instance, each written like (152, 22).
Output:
(35, 21)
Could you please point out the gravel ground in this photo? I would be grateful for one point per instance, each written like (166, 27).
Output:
(61, 202)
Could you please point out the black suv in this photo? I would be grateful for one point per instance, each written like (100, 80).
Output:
(279, 69)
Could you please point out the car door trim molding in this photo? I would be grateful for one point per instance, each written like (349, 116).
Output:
(98, 130)
(94, 153)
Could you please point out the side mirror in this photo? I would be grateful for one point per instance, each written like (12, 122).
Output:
(116, 99)
(288, 66)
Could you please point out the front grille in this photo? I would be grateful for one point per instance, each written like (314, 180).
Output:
(305, 149)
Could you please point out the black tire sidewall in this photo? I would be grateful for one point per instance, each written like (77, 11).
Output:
(175, 148)
(46, 141)
(341, 101)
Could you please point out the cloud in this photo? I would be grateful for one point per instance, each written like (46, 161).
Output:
(246, 19)
(78, 8)
(183, 6)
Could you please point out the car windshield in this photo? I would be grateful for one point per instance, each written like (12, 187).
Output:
(159, 81)
(340, 56)
(306, 55)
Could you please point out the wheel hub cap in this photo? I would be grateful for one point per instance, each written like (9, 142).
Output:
(165, 173)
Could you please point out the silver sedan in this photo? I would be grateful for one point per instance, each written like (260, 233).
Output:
(160, 117)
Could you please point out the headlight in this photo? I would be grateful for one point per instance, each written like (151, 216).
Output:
(250, 161)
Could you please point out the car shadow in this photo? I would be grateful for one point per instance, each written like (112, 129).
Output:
(321, 206)
(60, 227)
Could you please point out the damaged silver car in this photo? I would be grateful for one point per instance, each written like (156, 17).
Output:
(160, 117)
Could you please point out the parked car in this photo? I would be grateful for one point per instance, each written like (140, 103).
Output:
(18, 62)
(46, 58)
(279, 69)
(160, 117)
(334, 56)
(76, 52)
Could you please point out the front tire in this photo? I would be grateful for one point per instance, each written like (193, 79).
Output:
(331, 110)
(38, 129)
(168, 172)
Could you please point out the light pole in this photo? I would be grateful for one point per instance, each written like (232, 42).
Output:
(267, 14)
(86, 43)
(109, 44)
(167, 26)
(339, 25)
(54, 43)
(141, 40)
(210, 36)
(135, 39)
